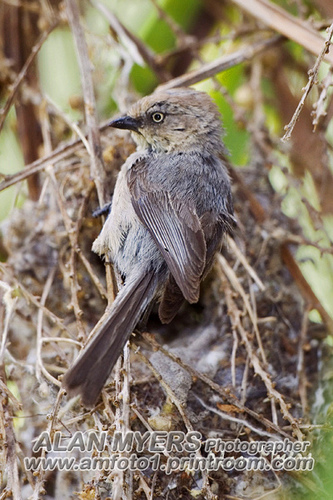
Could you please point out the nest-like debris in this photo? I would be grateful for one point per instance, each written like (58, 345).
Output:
(229, 366)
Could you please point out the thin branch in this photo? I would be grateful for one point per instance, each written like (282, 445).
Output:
(290, 26)
(222, 63)
(242, 258)
(305, 289)
(60, 153)
(235, 316)
(10, 304)
(101, 289)
(301, 373)
(206, 71)
(97, 167)
(22, 74)
(138, 50)
(224, 266)
(319, 107)
(30, 298)
(226, 394)
(180, 407)
(240, 421)
(9, 438)
(313, 75)
(76, 129)
(72, 228)
(40, 368)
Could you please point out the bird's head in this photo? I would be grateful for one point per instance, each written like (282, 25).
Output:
(174, 120)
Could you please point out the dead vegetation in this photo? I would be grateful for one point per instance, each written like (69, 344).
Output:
(244, 362)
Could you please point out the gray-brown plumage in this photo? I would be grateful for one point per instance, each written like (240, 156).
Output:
(171, 206)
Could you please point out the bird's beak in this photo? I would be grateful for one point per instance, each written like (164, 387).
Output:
(126, 122)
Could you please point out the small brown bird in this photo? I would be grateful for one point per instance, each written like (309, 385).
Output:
(171, 206)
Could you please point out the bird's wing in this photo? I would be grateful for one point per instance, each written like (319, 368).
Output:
(175, 227)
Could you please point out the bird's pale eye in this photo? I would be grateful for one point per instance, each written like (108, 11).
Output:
(157, 117)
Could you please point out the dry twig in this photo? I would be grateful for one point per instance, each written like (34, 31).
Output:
(313, 75)
(290, 26)
(235, 316)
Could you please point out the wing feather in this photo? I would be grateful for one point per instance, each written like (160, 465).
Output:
(176, 229)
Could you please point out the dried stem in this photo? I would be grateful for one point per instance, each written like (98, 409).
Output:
(223, 63)
(313, 75)
(290, 26)
(235, 316)
(226, 394)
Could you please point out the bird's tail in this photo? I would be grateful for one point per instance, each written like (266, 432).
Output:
(90, 371)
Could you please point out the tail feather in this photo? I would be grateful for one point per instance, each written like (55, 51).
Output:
(91, 370)
(172, 300)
